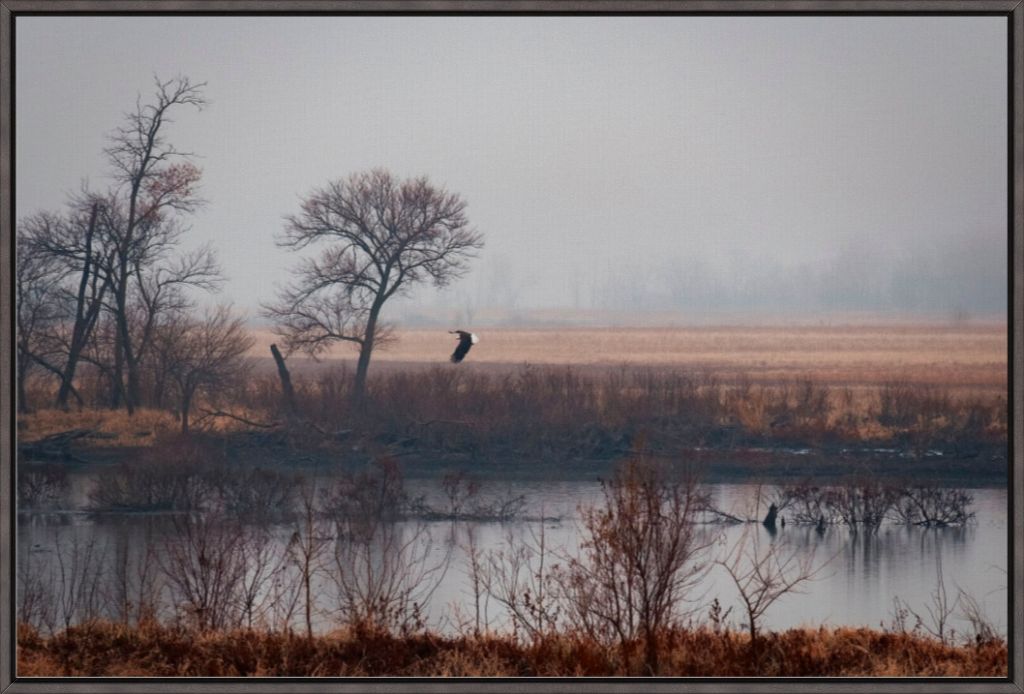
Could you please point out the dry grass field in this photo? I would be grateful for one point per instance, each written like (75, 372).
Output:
(588, 394)
(972, 358)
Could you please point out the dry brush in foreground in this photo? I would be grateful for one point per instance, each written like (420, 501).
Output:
(151, 650)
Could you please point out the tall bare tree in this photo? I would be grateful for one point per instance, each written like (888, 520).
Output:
(379, 236)
(155, 183)
(36, 278)
(77, 241)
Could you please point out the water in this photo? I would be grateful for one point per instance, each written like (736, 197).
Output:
(859, 574)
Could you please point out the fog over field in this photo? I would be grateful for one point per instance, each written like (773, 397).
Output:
(686, 169)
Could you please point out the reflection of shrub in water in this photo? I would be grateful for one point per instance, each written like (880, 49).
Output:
(150, 485)
(175, 475)
(465, 501)
(459, 488)
(384, 571)
(42, 486)
(204, 562)
(63, 584)
(257, 494)
(376, 493)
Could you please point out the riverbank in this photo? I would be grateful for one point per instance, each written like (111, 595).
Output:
(152, 650)
(91, 440)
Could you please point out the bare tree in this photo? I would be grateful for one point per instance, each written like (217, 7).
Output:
(379, 237)
(284, 593)
(42, 485)
(154, 183)
(642, 554)
(762, 575)
(35, 604)
(204, 565)
(385, 573)
(263, 564)
(308, 544)
(36, 312)
(202, 355)
(973, 613)
(861, 502)
(385, 570)
(132, 588)
(77, 576)
(933, 506)
(940, 609)
(476, 571)
(806, 503)
(79, 241)
(522, 578)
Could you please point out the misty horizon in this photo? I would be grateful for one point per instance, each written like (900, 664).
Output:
(708, 168)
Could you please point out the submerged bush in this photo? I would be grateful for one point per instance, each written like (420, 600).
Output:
(42, 486)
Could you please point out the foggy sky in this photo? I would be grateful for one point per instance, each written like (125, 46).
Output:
(763, 164)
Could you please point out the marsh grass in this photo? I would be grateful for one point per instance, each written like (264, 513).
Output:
(558, 413)
(596, 413)
(151, 650)
(115, 428)
(588, 393)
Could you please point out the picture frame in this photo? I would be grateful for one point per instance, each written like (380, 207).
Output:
(1012, 10)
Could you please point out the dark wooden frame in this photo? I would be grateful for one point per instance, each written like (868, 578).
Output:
(1013, 10)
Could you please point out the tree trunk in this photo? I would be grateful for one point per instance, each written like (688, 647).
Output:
(66, 378)
(288, 393)
(753, 641)
(132, 400)
(84, 319)
(22, 376)
(117, 378)
(127, 360)
(365, 351)
(651, 651)
(309, 606)
(186, 405)
(362, 367)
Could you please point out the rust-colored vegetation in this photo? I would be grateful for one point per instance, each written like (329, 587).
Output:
(151, 650)
(912, 388)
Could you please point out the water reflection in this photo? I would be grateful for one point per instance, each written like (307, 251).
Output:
(865, 571)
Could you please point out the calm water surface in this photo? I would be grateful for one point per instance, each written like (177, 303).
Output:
(862, 573)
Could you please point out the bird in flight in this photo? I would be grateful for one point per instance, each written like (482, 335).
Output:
(466, 340)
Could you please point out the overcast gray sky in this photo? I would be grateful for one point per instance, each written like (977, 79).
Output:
(764, 164)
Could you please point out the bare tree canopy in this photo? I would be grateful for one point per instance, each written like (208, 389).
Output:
(116, 272)
(80, 243)
(378, 236)
(37, 312)
(202, 355)
(154, 182)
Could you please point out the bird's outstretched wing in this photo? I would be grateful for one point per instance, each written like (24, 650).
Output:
(466, 340)
(460, 351)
